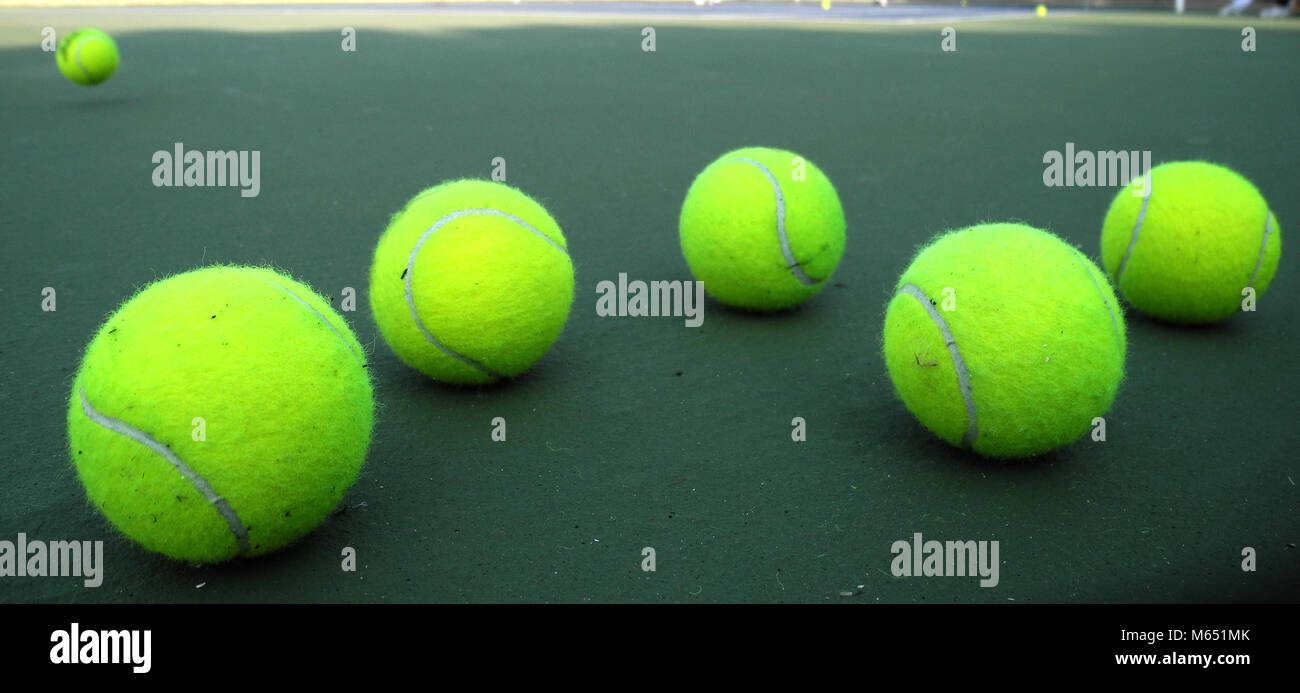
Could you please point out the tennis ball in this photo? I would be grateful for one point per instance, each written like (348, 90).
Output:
(87, 56)
(762, 229)
(220, 413)
(1185, 240)
(1041, 10)
(471, 282)
(1003, 339)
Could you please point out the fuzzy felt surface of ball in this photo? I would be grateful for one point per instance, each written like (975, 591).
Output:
(222, 412)
(1004, 340)
(1185, 241)
(87, 56)
(762, 228)
(471, 282)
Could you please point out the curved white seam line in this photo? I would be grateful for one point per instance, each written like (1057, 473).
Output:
(360, 358)
(1137, 228)
(410, 270)
(77, 58)
(1259, 261)
(963, 376)
(1083, 263)
(791, 263)
(200, 484)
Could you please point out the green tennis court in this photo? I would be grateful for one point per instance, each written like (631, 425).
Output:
(635, 433)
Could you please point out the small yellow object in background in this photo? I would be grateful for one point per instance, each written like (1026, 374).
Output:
(963, 3)
(826, 4)
(87, 56)
(1042, 10)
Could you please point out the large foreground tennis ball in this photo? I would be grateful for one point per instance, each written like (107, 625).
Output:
(87, 56)
(1004, 340)
(220, 413)
(471, 282)
(762, 228)
(1184, 242)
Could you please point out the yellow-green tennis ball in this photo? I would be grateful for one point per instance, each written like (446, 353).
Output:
(1041, 10)
(220, 413)
(1003, 339)
(1183, 242)
(762, 229)
(471, 282)
(87, 56)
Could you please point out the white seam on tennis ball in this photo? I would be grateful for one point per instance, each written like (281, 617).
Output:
(1263, 247)
(360, 358)
(410, 270)
(959, 365)
(77, 57)
(1083, 262)
(791, 263)
(200, 484)
(1137, 228)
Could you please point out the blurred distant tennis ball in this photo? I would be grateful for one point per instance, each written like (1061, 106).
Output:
(87, 56)
(471, 282)
(762, 228)
(1041, 10)
(1183, 247)
(279, 384)
(1005, 340)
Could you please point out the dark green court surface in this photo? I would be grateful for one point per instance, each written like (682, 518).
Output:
(642, 432)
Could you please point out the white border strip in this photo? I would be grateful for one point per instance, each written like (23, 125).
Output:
(1263, 247)
(1137, 228)
(791, 263)
(122, 428)
(963, 376)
